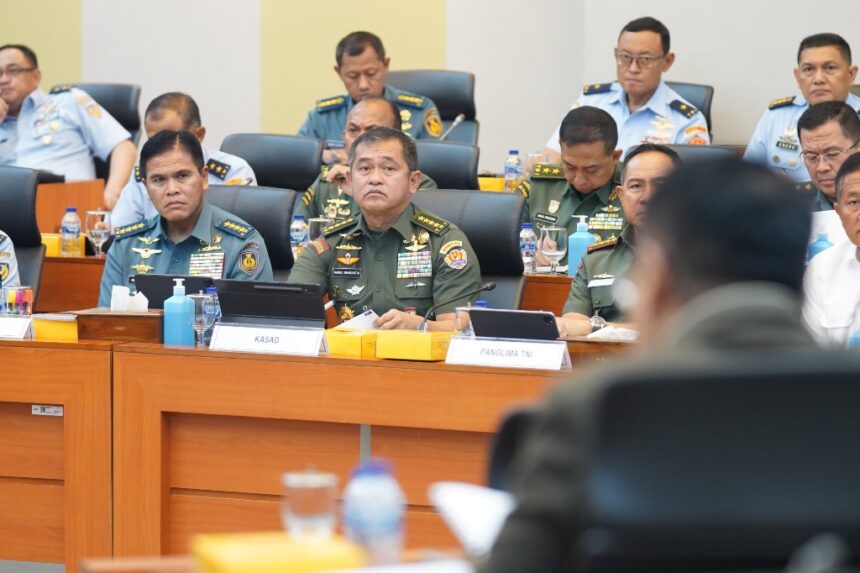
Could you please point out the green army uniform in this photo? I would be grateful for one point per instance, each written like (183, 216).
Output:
(220, 246)
(603, 264)
(421, 260)
(324, 199)
(552, 201)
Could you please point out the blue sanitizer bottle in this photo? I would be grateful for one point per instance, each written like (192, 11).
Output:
(577, 245)
(179, 317)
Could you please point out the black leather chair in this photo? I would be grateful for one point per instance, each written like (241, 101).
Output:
(18, 220)
(507, 442)
(719, 462)
(451, 165)
(267, 209)
(283, 161)
(700, 95)
(453, 92)
(491, 221)
(689, 153)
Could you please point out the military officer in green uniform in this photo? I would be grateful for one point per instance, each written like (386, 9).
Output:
(329, 195)
(591, 302)
(363, 66)
(188, 236)
(392, 257)
(583, 184)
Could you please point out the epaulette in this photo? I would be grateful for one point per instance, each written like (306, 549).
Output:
(781, 102)
(590, 89)
(235, 228)
(525, 188)
(602, 244)
(308, 196)
(3, 237)
(331, 103)
(547, 171)
(137, 176)
(805, 186)
(331, 229)
(218, 168)
(131, 230)
(62, 88)
(411, 100)
(432, 224)
(688, 110)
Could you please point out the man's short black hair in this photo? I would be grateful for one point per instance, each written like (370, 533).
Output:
(725, 221)
(167, 140)
(648, 148)
(183, 104)
(649, 24)
(29, 54)
(588, 124)
(395, 111)
(382, 134)
(823, 40)
(851, 165)
(817, 115)
(354, 44)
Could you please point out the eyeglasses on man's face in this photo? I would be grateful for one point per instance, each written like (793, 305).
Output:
(644, 61)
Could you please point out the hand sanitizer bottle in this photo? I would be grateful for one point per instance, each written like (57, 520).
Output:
(577, 245)
(179, 317)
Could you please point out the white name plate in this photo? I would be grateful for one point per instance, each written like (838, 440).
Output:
(269, 340)
(15, 327)
(508, 353)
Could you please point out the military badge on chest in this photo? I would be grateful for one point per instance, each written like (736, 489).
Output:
(418, 261)
(788, 140)
(661, 132)
(609, 218)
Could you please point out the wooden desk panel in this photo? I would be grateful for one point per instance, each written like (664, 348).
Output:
(546, 292)
(200, 438)
(53, 198)
(70, 283)
(55, 484)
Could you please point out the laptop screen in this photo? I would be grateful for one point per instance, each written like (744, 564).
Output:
(272, 303)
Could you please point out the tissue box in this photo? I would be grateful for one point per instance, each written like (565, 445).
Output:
(355, 343)
(412, 345)
(272, 553)
(104, 324)
(52, 244)
(55, 327)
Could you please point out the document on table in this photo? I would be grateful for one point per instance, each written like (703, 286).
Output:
(474, 513)
(363, 321)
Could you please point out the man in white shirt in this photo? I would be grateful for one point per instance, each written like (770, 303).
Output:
(832, 282)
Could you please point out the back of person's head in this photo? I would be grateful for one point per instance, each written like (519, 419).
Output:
(588, 124)
(396, 121)
(649, 148)
(649, 24)
(821, 113)
(167, 140)
(29, 54)
(354, 44)
(379, 135)
(183, 104)
(824, 40)
(727, 221)
(851, 165)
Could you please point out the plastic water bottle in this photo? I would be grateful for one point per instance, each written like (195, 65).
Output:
(821, 243)
(528, 248)
(211, 313)
(577, 245)
(470, 330)
(70, 234)
(373, 512)
(179, 317)
(298, 235)
(513, 170)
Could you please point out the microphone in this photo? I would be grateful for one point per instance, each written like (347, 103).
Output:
(457, 121)
(432, 310)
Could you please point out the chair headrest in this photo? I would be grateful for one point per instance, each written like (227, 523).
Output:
(18, 206)
(283, 161)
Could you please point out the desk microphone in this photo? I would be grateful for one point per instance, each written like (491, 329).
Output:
(457, 121)
(432, 310)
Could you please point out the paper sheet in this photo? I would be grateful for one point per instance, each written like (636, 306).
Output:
(474, 513)
(363, 321)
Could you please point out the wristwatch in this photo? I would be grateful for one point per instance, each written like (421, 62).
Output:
(597, 322)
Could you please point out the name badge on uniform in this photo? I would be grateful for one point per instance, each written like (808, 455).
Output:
(414, 265)
(209, 264)
(544, 218)
(601, 281)
(346, 272)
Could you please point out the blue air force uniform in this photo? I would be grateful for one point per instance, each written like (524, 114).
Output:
(220, 246)
(665, 118)
(775, 143)
(418, 113)
(60, 132)
(134, 203)
(8, 263)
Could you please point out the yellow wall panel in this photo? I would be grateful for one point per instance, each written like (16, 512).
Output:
(52, 29)
(299, 39)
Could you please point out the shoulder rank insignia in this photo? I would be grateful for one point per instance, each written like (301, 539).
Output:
(235, 228)
(2, 237)
(308, 196)
(525, 187)
(602, 244)
(131, 230)
(548, 171)
(686, 109)
(62, 88)
(331, 103)
(806, 186)
(432, 224)
(218, 169)
(590, 89)
(781, 102)
(411, 100)
(137, 176)
(332, 229)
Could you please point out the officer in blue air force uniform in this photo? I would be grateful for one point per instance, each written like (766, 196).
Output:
(188, 236)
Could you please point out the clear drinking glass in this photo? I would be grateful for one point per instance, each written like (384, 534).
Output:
(309, 508)
(204, 316)
(316, 226)
(553, 245)
(97, 228)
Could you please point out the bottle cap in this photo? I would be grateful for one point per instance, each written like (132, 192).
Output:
(211, 290)
(178, 286)
(373, 466)
(71, 210)
(583, 223)
(513, 152)
(481, 304)
(298, 217)
(527, 225)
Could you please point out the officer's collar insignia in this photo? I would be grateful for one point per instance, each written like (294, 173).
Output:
(149, 240)
(685, 109)
(331, 103)
(612, 196)
(218, 168)
(548, 171)
(137, 176)
(234, 228)
(432, 224)
(145, 253)
(141, 268)
(411, 100)
(355, 290)
(339, 226)
(597, 88)
(781, 102)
